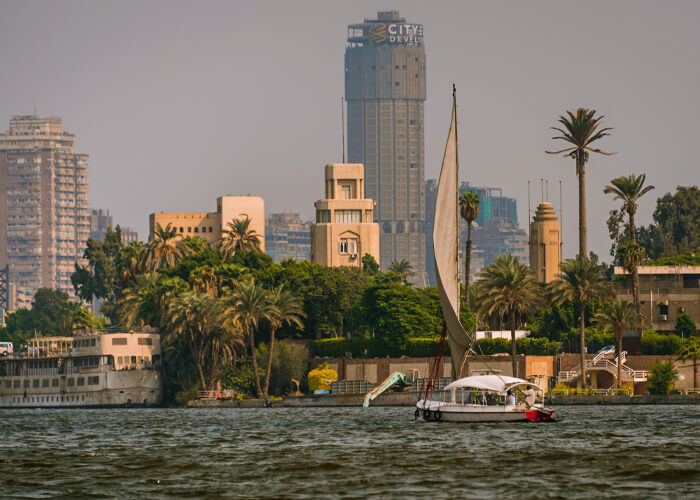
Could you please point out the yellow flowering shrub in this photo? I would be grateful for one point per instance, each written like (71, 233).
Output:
(320, 379)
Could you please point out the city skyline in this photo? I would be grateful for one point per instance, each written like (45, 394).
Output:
(174, 114)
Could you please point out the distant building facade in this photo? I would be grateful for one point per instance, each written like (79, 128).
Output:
(287, 237)
(545, 243)
(345, 229)
(101, 220)
(211, 225)
(665, 293)
(44, 212)
(385, 94)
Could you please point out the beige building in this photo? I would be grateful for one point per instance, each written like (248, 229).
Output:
(665, 292)
(210, 225)
(345, 229)
(545, 243)
(44, 212)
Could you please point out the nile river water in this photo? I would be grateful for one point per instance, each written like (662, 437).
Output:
(592, 451)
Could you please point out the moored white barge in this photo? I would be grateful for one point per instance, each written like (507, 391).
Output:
(90, 369)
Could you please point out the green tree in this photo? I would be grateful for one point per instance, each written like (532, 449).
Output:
(286, 308)
(166, 248)
(99, 277)
(248, 306)
(369, 265)
(661, 377)
(396, 312)
(239, 236)
(580, 130)
(676, 227)
(581, 281)
(691, 350)
(618, 316)
(629, 189)
(509, 292)
(469, 210)
(685, 326)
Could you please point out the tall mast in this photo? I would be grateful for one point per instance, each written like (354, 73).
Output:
(454, 113)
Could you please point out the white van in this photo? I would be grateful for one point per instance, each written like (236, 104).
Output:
(6, 348)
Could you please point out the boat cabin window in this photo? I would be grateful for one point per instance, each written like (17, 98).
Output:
(26, 384)
(8, 384)
(119, 341)
(145, 341)
(45, 382)
(81, 381)
(93, 380)
(16, 384)
(156, 359)
(108, 360)
(54, 382)
(71, 382)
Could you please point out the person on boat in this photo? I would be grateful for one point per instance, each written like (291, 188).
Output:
(510, 399)
(529, 394)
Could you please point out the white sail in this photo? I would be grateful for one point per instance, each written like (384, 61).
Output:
(445, 245)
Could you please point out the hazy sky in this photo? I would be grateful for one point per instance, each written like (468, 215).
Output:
(180, 102)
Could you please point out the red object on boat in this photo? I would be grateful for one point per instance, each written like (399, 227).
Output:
(540, 415)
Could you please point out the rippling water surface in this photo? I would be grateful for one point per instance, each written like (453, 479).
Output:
(592, 451)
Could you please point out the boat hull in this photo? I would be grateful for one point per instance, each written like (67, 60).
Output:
(115, 389)
(438, 411)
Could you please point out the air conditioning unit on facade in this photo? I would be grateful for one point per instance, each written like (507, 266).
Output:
(353, 256)
(663, 317)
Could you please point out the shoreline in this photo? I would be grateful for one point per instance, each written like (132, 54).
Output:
(408, 399)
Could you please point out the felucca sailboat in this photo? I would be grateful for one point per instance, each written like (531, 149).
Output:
(479, 398)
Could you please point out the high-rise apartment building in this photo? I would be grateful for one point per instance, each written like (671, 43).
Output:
(44, 212)
(385, 94)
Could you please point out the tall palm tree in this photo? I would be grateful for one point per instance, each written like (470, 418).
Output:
(509, 292)
(197, 318)
(248, 306)
(239, 236)
(629, 189)
(165, 249)
(581, 280)
(691, 350)
(618, 316)
(147, 298)
(287, 310)
(469, 209)
(580, 131)
(402, 267)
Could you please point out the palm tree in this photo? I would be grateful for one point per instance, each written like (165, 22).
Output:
(147, 298)
(239, 236)
(197, 318)
(629, 189)
(130, 261)
(469, 209)
(165, 249)
(248, 305)
(509, 292)
(580, 132)
(618, 316)
(401, 267)
(287, 309)
(581, 280)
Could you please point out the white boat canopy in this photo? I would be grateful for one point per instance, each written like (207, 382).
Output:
(496, 383)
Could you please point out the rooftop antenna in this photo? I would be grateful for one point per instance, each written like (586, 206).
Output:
(541, 190)
(546, 183)
(342, 123)
(561, 215)
(529, 216)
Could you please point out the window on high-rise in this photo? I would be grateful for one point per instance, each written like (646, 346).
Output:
(347, 216)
